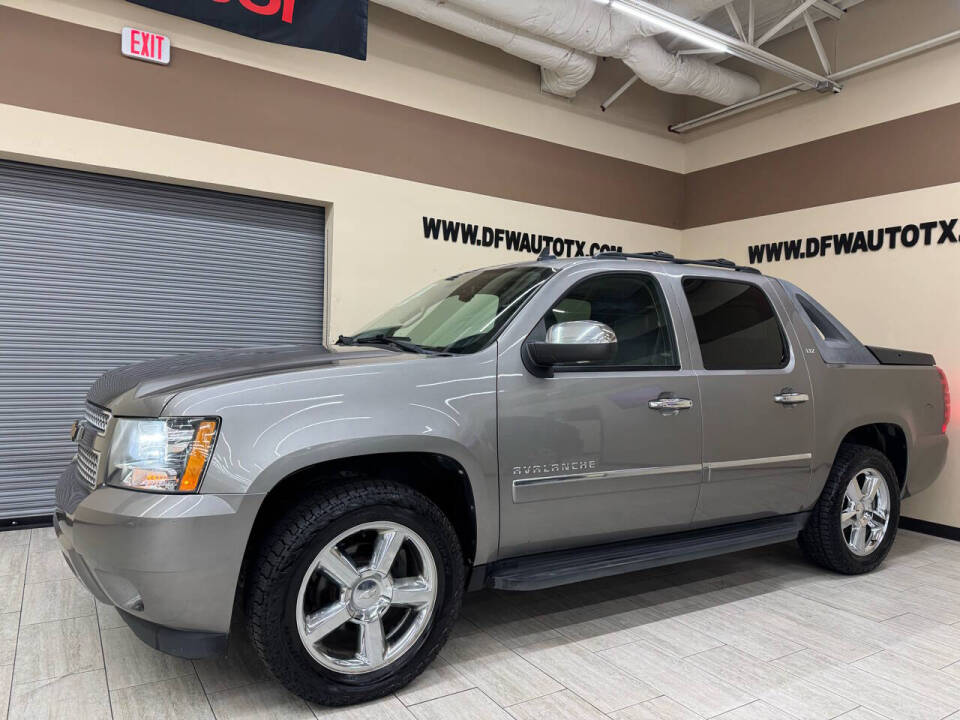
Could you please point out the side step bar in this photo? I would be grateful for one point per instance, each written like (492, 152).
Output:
(535, 572)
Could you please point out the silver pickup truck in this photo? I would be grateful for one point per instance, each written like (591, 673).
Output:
(517, 428)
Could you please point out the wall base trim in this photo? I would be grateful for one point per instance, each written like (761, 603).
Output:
(26, 523)
(948, 532)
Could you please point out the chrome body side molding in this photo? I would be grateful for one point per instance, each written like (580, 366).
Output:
(754, 462)
(554, 487)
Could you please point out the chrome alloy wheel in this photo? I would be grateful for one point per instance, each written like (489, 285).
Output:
(866, 512)
(367, 597)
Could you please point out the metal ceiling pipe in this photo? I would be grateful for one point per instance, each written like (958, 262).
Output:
(779, 93)
(734, 46)
(587, 25)
(563, 71)
(593, 27)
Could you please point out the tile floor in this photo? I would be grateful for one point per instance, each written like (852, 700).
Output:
(751, 636)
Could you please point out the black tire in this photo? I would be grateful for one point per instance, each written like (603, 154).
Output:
(284, 556)
(822, 539)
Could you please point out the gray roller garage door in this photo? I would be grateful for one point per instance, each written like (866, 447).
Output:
(97, 272)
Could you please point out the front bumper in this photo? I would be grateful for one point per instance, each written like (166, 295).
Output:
(169, 563)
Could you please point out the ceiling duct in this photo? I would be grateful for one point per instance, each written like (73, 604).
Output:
(687, 75)
(563, 70)
(593, 27)
(588, 25)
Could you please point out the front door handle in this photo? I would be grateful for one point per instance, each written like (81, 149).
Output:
(670, 404)
(788, 397)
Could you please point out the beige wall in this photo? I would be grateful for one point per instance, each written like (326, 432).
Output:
(377, 252)
(904, 298)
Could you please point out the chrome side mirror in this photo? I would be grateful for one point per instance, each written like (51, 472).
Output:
(577, 341)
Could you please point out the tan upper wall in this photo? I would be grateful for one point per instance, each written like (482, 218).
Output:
(206, 98)
(425, 67)
(422, 66)
(898, 155)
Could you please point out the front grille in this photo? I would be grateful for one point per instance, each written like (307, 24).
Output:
(96, 417)
(88, 461)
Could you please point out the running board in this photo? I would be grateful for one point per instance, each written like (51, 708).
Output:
(535, 572)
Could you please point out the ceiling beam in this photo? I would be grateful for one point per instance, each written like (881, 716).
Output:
(774, 95)
(735, 20)
(785, 20)
(736, 108)
(709, 37)
(828, 9)
(817, 43)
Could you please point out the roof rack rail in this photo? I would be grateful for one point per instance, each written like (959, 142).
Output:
(667, 257)
(652, 255)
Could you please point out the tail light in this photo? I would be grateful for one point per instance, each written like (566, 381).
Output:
(946, 400)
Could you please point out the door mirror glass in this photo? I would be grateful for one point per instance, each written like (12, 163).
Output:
(576, 341)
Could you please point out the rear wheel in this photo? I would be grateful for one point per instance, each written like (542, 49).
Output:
(855, 520)
(354, 591)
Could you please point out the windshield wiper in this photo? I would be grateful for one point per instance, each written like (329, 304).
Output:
(401, 343)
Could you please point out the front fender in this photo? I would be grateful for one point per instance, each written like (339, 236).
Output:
(483, 485)
(274, 427)
(375, 445)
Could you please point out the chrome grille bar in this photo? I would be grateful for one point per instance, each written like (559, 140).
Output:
(88, 462)
(96, 417)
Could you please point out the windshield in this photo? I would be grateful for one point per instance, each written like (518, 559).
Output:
(462, 313)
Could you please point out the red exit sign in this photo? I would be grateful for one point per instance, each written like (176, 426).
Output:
(144, 45)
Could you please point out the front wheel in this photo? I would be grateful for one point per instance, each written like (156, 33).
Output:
(855, 520)
(354, 591)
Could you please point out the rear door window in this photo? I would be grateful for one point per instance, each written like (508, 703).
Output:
(736, 326)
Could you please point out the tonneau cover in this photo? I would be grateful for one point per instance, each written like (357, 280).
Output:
(890, 356)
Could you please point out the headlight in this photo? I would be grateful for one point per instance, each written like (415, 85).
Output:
(165, 455)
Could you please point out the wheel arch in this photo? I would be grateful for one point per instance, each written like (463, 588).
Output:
(440, 477)
(888, 438)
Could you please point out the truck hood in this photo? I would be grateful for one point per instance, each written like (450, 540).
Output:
(144, 388)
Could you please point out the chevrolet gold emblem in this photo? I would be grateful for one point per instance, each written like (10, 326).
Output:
(75, 431)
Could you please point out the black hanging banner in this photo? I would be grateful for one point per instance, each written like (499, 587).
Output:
(337, 26)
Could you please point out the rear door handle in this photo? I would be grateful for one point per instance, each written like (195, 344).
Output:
(789, 397)
(670, 403)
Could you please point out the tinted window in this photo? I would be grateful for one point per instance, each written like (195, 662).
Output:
(632, 305)
(736, 325)
(462, 313)
(826, 329)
